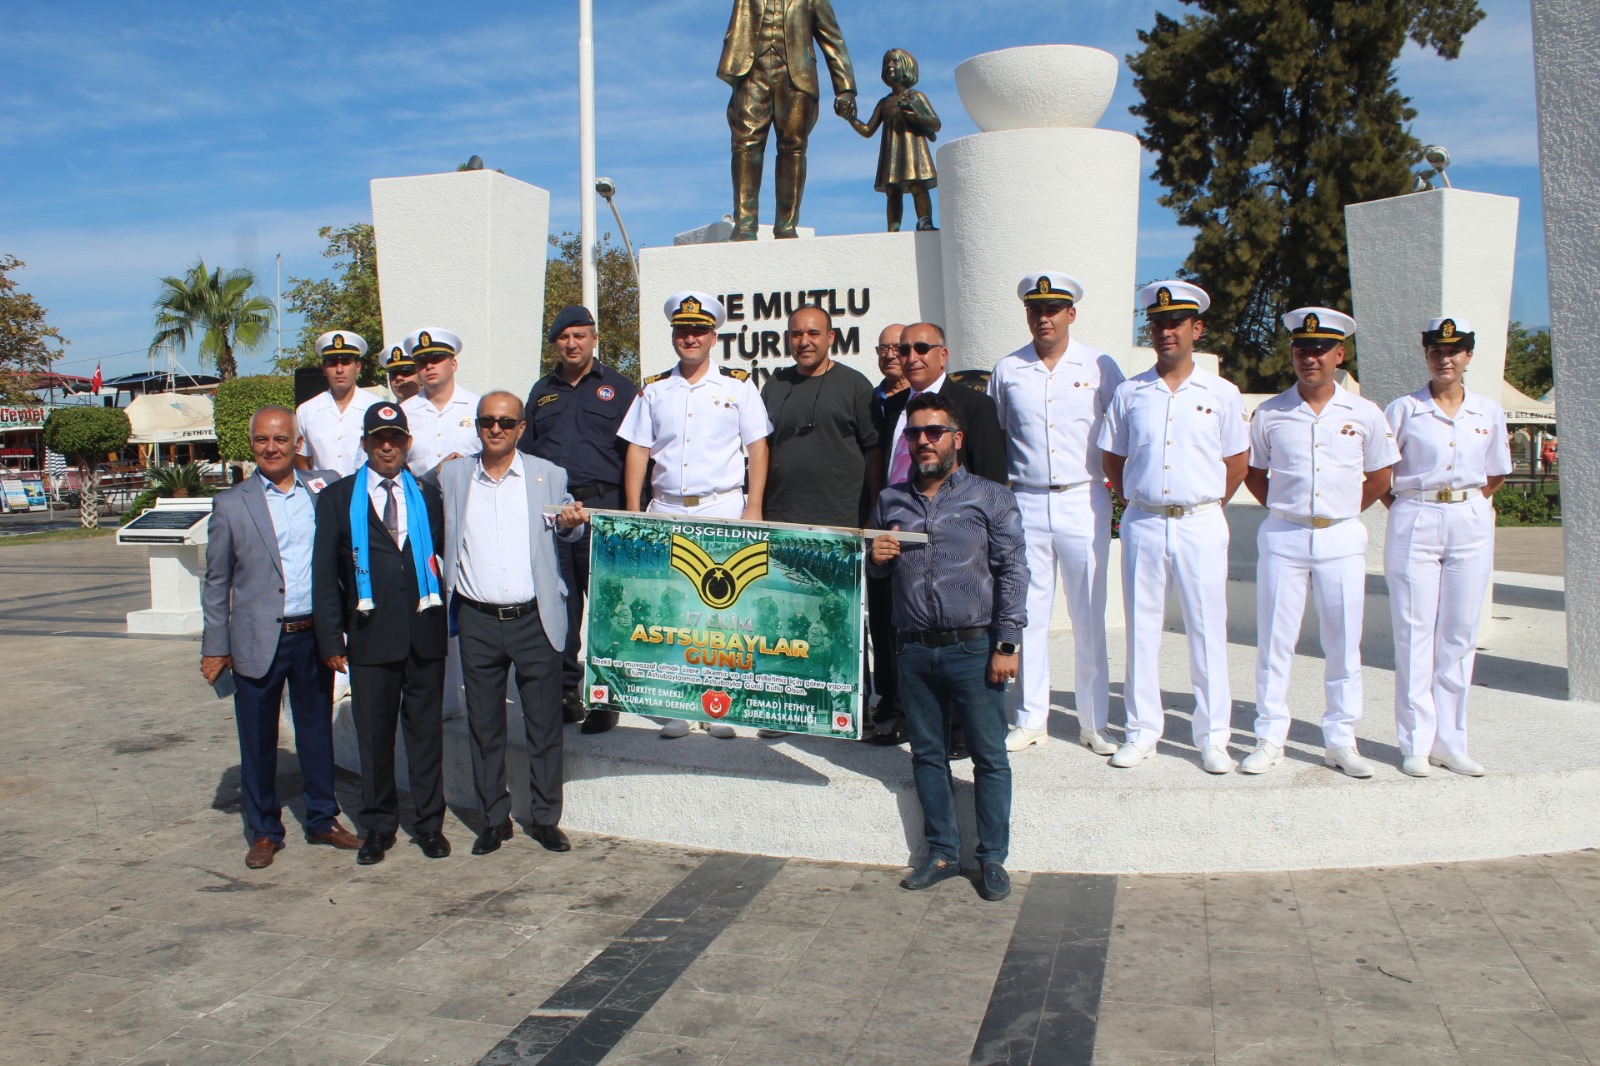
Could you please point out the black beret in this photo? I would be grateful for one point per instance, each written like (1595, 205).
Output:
(576, 315)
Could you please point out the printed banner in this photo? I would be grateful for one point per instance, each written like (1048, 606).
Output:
(738, 622)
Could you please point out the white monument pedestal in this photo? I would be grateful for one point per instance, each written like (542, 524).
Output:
(177, 573)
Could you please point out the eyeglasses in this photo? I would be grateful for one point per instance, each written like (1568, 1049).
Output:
(504, 422)
(934, 433)
(887, 349)
(921, 348)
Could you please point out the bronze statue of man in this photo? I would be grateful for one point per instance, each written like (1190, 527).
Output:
(768, 58)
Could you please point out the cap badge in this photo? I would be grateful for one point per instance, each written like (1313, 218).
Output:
(338, 342)
(690, 306)
(386, 412)
(1163, 297)
(1447, 329)
(395, 352)
(1311, 324)
(1043, 287)
(423, 339)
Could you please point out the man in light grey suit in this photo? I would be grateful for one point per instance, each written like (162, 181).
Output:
(257, 604)
(507, 597)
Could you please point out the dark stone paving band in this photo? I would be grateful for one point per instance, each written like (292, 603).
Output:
(584, 1019)
(1047, 995)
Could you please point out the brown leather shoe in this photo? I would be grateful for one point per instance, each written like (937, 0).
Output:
(336, 836)
(261, 853)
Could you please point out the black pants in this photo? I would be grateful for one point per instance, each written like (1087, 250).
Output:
(489, 648)
(256, 709)
(885, 679)
(409, 693)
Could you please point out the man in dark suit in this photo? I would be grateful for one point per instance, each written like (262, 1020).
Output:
(385, 621)
(258, 625)
(767, 57)
(923, 357)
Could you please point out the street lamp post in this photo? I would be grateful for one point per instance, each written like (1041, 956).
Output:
(591, 252)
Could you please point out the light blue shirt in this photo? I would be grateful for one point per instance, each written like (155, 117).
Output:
(294, 520)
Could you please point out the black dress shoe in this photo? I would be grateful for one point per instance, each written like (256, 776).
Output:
(433, 845)
(600, 719)
(931, 872)
(890, 733)
(550, 837)
(491, 838)
(993, 881)
(373, 847)
(573, 708)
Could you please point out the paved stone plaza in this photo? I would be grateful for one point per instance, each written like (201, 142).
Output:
(131, 932)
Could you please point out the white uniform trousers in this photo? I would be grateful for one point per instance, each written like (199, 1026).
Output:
(1067, 532)
(728, 505)
(1332, 562)
(1438, 558)
(1192, 552)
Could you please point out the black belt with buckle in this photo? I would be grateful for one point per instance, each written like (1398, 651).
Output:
(939, 638)
(592, 490)
(297, 624)
(504, 613)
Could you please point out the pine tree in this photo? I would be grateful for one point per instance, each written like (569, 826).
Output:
(1266, 118)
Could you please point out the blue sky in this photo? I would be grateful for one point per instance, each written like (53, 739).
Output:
(141, 136)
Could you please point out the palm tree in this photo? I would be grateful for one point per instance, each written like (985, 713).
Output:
(217, 303)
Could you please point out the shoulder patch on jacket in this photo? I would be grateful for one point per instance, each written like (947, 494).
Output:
(742, 375)
(653, 378)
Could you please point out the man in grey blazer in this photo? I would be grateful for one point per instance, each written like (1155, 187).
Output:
(257, 604)
(506, 595)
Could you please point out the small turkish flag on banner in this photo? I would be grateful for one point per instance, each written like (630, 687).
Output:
(97, 380)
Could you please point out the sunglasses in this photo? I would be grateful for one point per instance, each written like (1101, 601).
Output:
(921, 348)
(934, 433)
(504, 422)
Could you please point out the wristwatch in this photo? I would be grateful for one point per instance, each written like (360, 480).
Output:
(1006, 647)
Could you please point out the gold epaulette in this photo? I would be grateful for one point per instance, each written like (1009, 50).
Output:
(742, 375)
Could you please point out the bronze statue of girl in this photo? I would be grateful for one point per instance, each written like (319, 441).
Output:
(904, 163)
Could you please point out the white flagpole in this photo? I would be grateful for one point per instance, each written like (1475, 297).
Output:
(586, 194)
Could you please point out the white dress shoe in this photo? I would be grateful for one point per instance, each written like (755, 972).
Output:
(1264, 758)
(720, 730)
(675, 729)
(1458, 764)
(1416, 766)
(1096, 742)
(1349, 760)
(1019, 738)
(1216, 761)
(1130, 754)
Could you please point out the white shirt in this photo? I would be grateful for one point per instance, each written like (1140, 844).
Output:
(435, 433)
(1175, 441)
(380, 498)
(1316, 463)
(697, 433)
(495, 565)
(1439, 452)
(1052, 418)
(329, 437)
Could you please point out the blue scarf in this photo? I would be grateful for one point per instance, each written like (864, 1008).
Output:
(419, 538)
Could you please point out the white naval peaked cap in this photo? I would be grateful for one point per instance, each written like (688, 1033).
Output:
(341, 342)
(1173, 296)
(1450, 329)
(431, 340)
(1050, 285)
(692, 308)
(1318, 324)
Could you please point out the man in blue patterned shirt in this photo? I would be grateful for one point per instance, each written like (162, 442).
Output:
(959, 608)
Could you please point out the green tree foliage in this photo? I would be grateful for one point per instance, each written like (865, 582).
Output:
(1266, 118)
(237, 401)
(27, 345)
(217, 304)
(347, 300)
(1528, 360)
(618, 313)
(87, 436)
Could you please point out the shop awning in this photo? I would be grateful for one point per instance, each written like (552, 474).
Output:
(169, 417)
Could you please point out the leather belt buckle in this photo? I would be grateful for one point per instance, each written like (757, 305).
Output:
(1320, 522)
(691, 501)
(1175, 510)
(507, 614)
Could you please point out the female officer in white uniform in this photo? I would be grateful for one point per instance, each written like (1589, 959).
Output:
(1440, 547)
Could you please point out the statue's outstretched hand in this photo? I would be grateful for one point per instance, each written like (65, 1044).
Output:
(844, 105)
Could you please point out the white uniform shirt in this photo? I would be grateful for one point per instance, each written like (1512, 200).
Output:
(435, 433)
(496, 529)
(696, 433)
(1052, 418)
(1175, 441)
(331, 438)
(380, 499)
(1439, 452)
(1317, 462)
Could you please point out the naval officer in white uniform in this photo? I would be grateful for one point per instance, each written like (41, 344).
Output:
(1319, 456)
(1174, 444)
(1440, 549)
(706, 427)
(330, 422)
(442, 414)
(1051, 396)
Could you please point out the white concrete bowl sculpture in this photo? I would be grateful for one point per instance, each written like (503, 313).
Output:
(1037, 86)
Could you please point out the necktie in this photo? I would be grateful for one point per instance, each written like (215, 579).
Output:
(900, 466)
(391, 511)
